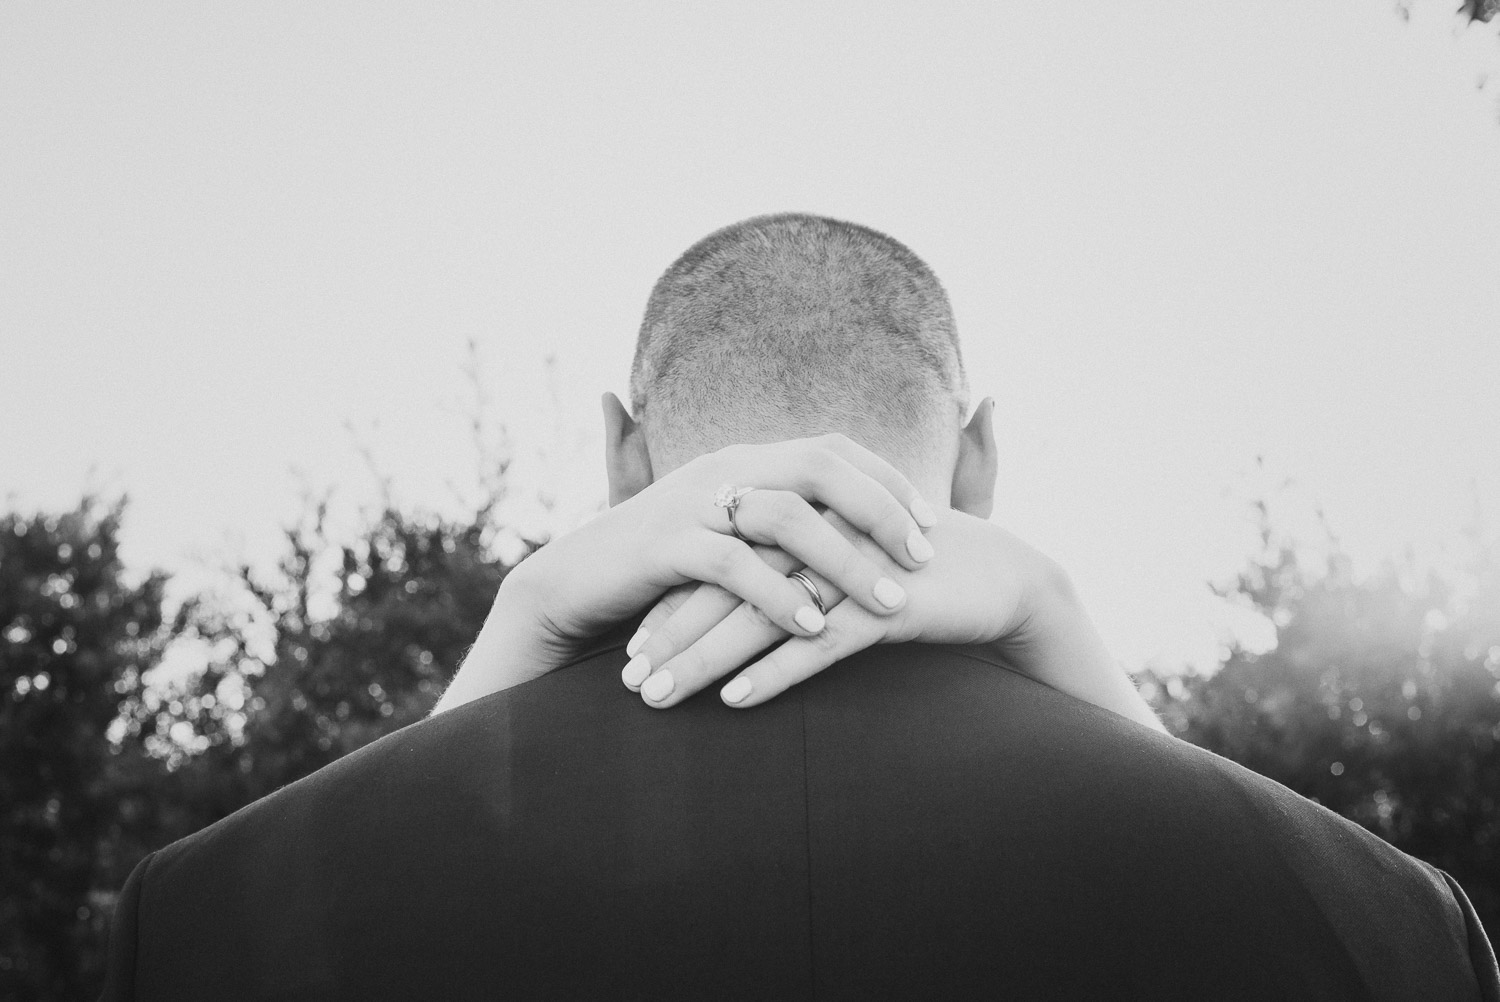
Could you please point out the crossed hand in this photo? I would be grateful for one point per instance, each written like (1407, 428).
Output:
(974, 591)
(719, 591)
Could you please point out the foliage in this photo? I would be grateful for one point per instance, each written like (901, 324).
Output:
(1479, 10)
(75, 639)
(104, 763)
(408, 598)
(1381, 700)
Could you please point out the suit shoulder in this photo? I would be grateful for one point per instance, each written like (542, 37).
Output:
(435, 757)
(358, 783)
(1098, 768)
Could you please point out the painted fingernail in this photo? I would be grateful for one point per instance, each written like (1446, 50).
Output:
(888, 593)
(923, 513)
(918, 546)
(737, 690)
(636, 671)
(636, 642)
(658, 687)
(809, 619)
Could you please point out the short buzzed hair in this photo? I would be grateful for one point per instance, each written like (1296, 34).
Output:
(791, 325)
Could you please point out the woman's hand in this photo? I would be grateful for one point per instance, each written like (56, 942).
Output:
(674, 532)
(984, 587)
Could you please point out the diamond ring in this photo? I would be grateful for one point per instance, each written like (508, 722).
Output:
(729, 497)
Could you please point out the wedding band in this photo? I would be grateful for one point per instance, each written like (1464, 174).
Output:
(728, 497)
(812, 590)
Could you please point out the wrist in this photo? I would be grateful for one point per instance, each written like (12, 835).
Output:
(510, 646)
(1073, 658)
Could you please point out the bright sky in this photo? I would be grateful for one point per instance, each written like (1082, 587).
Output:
(1177, 236)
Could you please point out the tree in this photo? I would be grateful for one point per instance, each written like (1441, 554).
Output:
(1380, 700)
(408, 597)
(75, 638)
(103, 765)
(1479, 10)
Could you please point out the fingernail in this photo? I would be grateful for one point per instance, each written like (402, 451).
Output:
(636, 671)
(888, 593)
(918, 546)
(923, 513)
(658, 687)
(736, 690)
(634, 647)
(809, 619)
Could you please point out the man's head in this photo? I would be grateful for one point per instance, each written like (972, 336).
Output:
(792, 325)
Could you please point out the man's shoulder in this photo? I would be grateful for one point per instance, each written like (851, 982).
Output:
(391, 773)
(986, 719)
(1059, 827)
(992, 809)
(577, 717)
(488, 845)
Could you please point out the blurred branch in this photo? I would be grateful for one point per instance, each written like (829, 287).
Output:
(492, 452)
(366, 452)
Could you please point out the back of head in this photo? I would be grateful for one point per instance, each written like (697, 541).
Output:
(792, 325)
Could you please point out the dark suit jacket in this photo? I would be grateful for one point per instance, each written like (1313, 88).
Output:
(917, 822)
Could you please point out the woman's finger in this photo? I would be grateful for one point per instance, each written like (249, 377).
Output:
(850, 629)
(728, 644)
(690, 611)
(788, 521)
(878, 504)
(665, 608)
(744, 633)
(865, 503)
(734, 566)
(881, 470)
(705, 605)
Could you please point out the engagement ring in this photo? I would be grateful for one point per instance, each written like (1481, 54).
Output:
(728, 498)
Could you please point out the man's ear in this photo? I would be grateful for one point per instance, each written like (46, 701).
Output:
(978, 463)
(626, 460)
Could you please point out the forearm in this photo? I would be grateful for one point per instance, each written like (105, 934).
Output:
(1062, 648)
(508, 650)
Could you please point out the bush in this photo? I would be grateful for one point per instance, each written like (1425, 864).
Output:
(76, 637)
(1380, 700)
